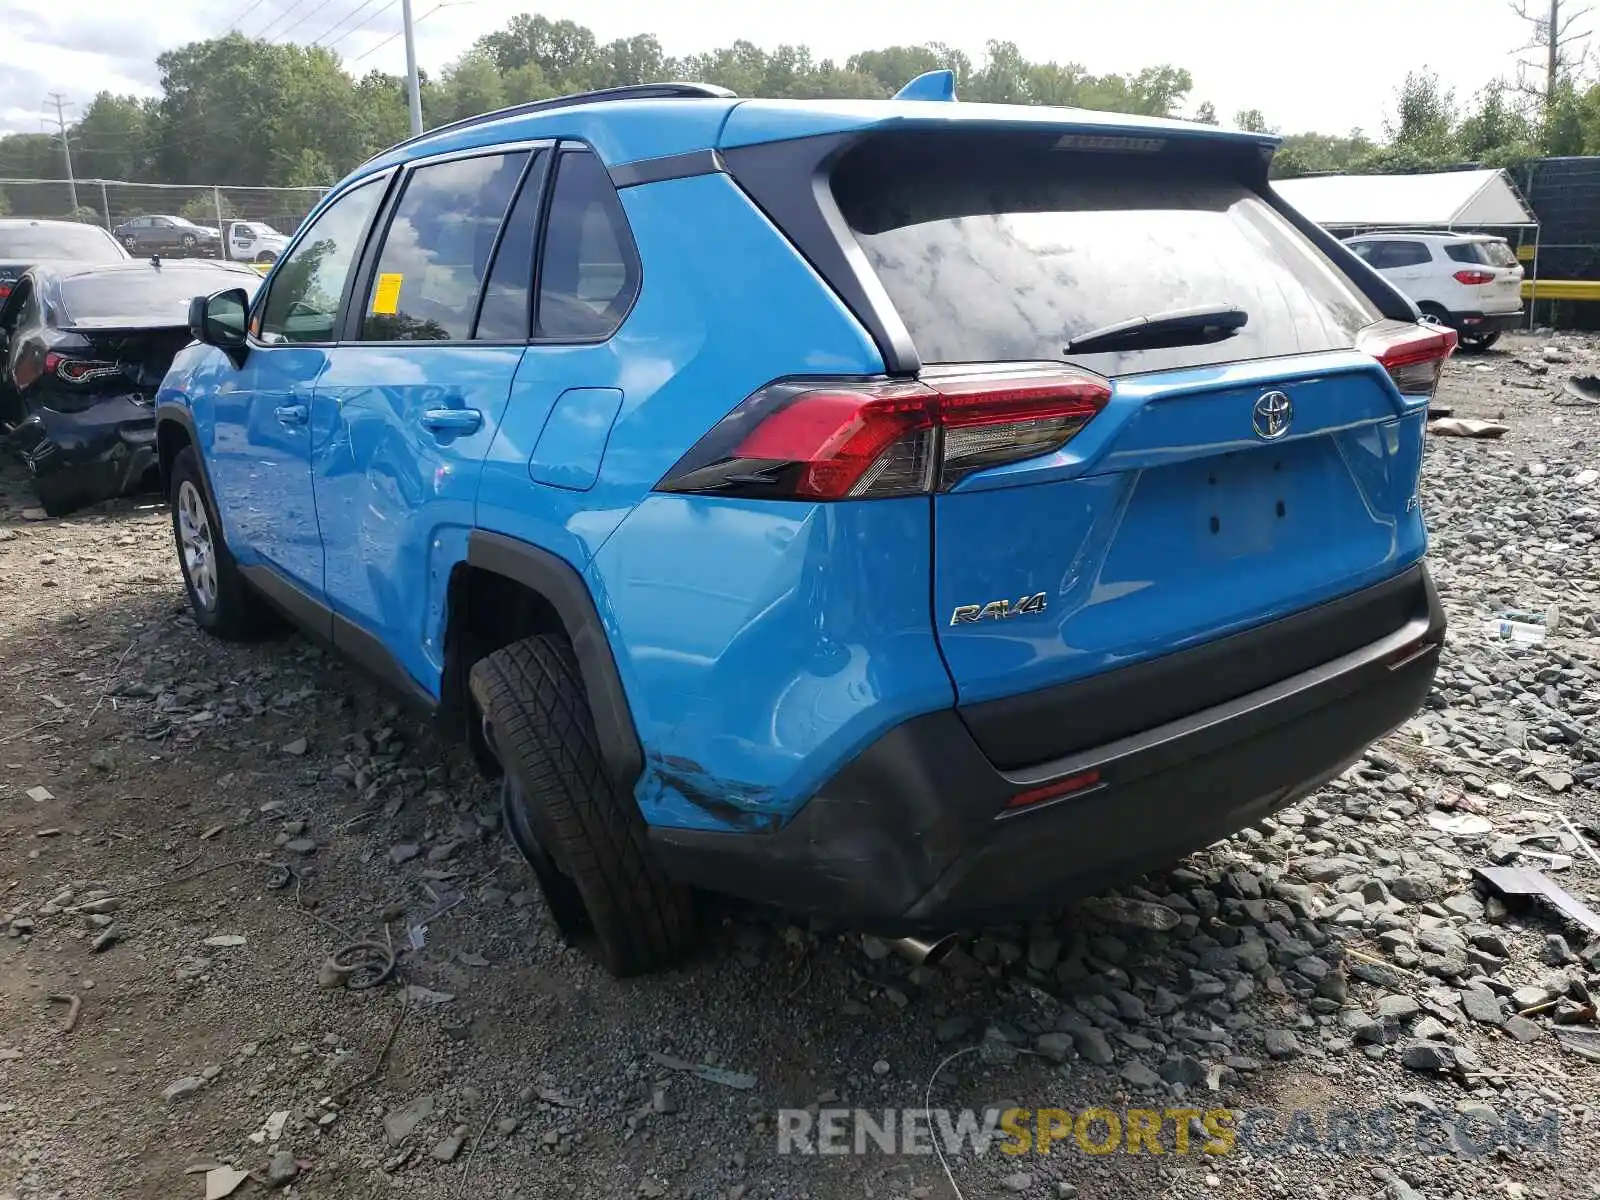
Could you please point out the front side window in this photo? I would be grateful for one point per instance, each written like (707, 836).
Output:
(589, 275)
(436, 251)
(303, 303)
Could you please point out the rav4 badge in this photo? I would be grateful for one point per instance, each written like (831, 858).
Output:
(998, 610)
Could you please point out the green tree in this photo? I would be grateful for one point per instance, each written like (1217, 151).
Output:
(1251, 121)
(113, 140)
(1498, 132)
(469, 86)
(1423, 130)
(1206, 114)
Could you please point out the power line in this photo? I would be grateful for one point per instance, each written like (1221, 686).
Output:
(398, 32)
(248, 9)
(343, 21)
(363, 25)
(281, 17)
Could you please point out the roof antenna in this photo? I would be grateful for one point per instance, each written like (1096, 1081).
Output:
(930, 85)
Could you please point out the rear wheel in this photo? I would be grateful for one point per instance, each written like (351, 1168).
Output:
(187, 241)
(131, 242)
(223, 604)
(1479, 341)
(579, 829)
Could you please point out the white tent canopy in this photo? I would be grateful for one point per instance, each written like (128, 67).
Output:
(1440, 200)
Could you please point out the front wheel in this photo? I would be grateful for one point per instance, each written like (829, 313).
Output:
(131, 243)
(267, 256)
(224, 605)
(579, 828)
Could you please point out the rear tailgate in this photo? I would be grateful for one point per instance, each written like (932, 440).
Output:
(1223, 486)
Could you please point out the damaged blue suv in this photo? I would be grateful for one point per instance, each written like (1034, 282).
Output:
(908, 513)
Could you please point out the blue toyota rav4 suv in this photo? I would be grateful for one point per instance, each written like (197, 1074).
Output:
(909, 513)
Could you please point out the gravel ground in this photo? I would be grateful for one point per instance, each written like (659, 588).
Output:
(215, 820)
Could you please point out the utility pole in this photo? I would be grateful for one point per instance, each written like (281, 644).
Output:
(413, 89)
(62, 104)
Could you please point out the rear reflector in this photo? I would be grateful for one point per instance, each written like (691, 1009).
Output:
(1474, 277)
(1071, 785)
(1414, 355)
(844, 440)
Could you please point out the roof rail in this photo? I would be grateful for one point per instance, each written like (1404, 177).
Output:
(631, 91)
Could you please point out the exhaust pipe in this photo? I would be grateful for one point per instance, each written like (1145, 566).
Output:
(925, 952)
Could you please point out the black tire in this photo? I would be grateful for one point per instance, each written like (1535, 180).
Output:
(1479, 341)
(187, 241)
(224, 605)
(531, 694)
(267, 256)
(1438, 313)
(131, 243)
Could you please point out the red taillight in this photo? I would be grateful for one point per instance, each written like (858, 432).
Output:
(78, 370)
(1070, 786)
(1474, 277)
(1414, 355)
(5, 290)
(828, 440)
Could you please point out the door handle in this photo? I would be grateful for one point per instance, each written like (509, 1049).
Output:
(452, 420)
(291, 414)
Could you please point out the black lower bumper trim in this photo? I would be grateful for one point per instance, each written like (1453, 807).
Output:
(914, 833)
(1473, 323)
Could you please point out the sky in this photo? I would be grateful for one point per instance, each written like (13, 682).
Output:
(1325, 65)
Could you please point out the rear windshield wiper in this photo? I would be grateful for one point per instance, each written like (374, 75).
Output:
(1180, 327)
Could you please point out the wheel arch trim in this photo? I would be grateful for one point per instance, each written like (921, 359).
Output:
(563, 587)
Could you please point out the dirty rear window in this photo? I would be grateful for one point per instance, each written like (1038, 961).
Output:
(74, 243)
(1009, 259)
(1489, 254)
(143, 299)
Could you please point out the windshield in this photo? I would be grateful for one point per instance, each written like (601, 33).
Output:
(1012, 261)
(144, 298)
(75, 243)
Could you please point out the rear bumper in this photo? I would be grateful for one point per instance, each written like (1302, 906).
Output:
(914, 833)
(1478, 322)
(80, 458)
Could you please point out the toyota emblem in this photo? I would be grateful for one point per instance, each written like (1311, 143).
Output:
(1271, 417)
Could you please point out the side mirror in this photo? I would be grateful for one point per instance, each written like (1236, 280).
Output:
(219, 320)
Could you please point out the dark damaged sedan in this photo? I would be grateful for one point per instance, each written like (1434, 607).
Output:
(83, 349)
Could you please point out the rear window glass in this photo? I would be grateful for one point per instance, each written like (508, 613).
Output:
(1498, 254)
(74, 243)
(144, 298)
(1009, 260)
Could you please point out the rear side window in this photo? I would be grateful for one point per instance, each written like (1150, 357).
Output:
(1405, 254)
(589, 275)
(1009, 259)
(1467, 252)
(436, 250)
(506, 315)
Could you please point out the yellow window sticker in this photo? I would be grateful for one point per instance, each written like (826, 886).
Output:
(386, 296)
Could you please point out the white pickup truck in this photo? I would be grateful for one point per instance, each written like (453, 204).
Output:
(253, 242)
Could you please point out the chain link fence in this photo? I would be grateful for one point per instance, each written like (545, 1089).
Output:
(109, 202)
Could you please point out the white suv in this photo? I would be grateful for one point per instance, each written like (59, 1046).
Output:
(1471, 282)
